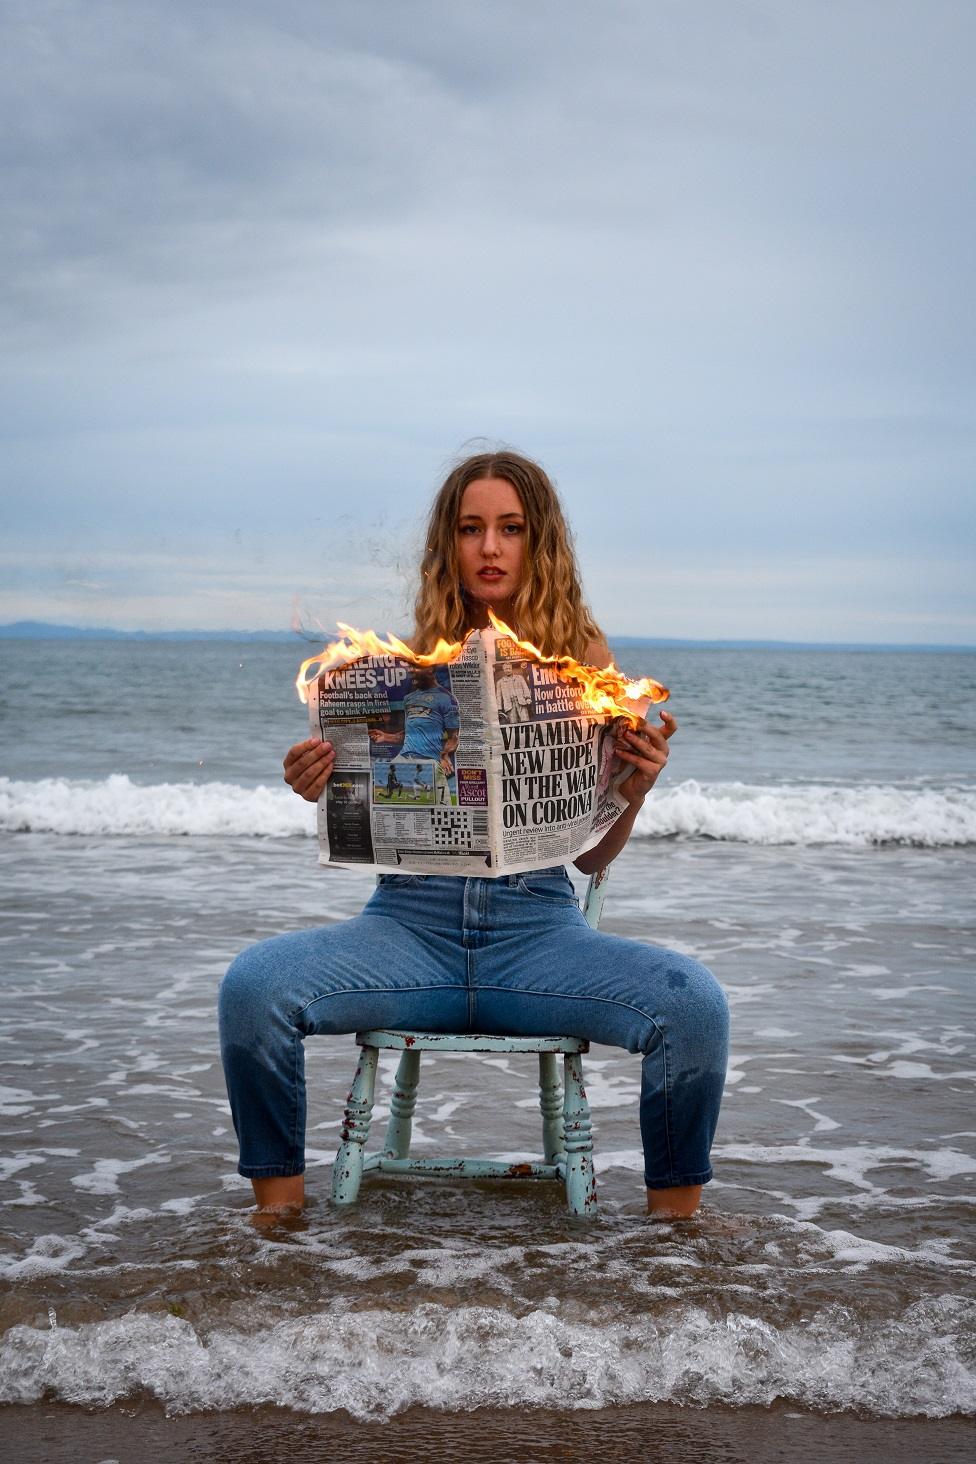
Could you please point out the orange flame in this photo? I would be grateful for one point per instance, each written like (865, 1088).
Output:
(605, 692)
(356, 643)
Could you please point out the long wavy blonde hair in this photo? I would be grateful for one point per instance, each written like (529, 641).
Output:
(549, 608)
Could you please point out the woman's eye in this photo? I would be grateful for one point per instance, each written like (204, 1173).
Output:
(511, 530)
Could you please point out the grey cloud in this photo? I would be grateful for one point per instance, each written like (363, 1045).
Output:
(209, 146)
(168, 145)
(710, 261)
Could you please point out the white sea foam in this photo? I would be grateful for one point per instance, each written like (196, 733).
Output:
(49, 1255)
(806, 813)
(103, 1178)
(116, 805)
(803, 813)
(376, 1363)
(14, 1102)
(851, 1164)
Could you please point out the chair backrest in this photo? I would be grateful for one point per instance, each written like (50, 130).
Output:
(595, 894)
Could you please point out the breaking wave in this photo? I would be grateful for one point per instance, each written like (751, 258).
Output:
(377, 1363)
(811, 813)
(116, 805)
(801, 813)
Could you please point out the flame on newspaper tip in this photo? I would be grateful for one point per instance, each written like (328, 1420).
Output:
(606, 691)
(355, 643)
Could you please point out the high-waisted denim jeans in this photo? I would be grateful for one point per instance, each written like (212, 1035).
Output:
(443, 954)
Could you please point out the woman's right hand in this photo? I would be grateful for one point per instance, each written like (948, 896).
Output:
(308, 767)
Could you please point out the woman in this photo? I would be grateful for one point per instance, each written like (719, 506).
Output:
(509, 955)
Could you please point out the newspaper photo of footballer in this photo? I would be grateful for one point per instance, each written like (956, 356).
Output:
(409, 784)
(431, 727)
(387, 787)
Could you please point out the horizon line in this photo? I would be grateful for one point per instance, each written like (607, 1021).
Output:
(48, 630)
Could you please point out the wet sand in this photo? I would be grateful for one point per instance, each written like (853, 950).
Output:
(58, 1432)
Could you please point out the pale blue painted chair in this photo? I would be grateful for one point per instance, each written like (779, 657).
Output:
(567, 1139)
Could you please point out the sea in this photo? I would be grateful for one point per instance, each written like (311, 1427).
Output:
(813, 840)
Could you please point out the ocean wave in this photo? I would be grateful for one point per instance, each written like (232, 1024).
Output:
(803, 813)
(915, 1364)
(812, 813)
(116, 805)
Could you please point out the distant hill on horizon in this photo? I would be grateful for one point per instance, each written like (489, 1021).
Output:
(43, 630)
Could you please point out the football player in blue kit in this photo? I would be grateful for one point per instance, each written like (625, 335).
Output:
(431, 727)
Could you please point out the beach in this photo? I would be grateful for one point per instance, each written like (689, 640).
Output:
(813, 842)
(62, 1435)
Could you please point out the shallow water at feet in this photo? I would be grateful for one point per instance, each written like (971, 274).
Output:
(833, 1264)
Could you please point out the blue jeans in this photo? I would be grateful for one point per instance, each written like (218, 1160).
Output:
(512, 955)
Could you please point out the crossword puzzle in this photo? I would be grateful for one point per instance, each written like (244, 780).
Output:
(456, 827)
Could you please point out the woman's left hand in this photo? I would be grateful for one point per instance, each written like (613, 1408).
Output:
(645, 747)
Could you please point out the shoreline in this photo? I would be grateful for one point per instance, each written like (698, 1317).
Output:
(62, 1433)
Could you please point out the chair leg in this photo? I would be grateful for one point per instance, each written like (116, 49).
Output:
(580, 1178)
(347, 1172)
(551, 1103)
(402, 1105)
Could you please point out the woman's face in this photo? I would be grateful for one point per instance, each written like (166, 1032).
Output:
(491, 541)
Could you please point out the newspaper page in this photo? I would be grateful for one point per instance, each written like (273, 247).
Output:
(553, 761)
(492, 764)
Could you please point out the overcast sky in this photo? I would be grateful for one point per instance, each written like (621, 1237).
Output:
(268, 268)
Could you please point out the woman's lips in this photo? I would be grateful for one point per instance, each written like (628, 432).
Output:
(491, 574)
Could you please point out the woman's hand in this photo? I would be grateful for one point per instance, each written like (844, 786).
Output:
(645, 747)
(308, 767)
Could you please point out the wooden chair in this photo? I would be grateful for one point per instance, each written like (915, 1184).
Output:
(566, 1127)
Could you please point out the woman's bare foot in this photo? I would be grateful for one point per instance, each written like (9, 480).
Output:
(277, 1198)
(679, 1203)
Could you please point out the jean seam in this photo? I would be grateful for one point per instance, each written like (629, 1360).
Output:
(569, 902)
(297, 1054)
(667, 1103)
(471, 956)
(371, 991)
(270, 1171)
(572, 996)
(673, 1181)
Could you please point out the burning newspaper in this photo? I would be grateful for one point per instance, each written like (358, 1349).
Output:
(485, 757)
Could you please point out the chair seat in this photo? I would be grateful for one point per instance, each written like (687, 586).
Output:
(470, 1042)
